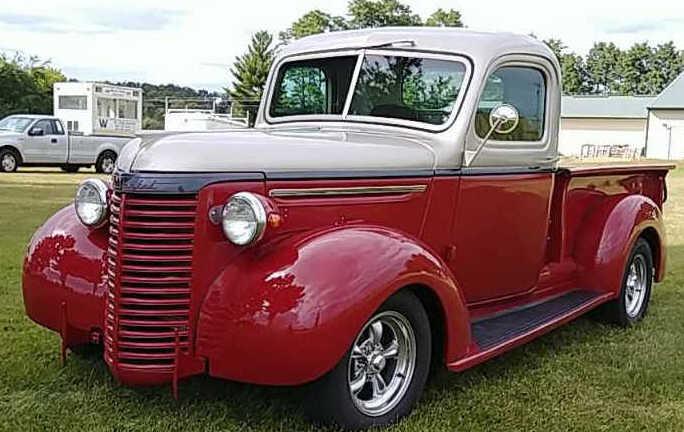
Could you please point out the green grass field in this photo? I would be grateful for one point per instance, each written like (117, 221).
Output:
(585, 376)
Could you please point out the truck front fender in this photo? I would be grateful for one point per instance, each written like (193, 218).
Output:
(64, 277)
(286, 313)
(609, 233)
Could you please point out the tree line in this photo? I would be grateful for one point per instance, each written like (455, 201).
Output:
(642, 69)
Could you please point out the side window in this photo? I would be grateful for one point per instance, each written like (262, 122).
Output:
(57, 127)
(46, 125)
(525, 89)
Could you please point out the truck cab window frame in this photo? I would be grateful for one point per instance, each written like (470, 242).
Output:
(526, 88)
(45, 125)
(350, 111)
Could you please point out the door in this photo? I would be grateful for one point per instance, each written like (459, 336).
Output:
(499, 234)
(47, 142)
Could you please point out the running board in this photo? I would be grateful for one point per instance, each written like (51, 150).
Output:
(497, 334)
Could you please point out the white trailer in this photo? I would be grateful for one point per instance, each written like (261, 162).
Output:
(90, 108)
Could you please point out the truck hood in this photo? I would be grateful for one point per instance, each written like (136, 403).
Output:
(277, 151)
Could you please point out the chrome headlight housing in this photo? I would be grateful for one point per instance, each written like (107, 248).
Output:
(91, 202)
(243, 219)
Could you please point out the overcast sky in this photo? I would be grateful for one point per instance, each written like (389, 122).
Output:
(193, 42)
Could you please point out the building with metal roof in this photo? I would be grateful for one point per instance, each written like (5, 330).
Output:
(603, 125)
(652, 126)
(665, 123)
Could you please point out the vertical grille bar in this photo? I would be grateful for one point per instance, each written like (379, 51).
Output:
(149, 271)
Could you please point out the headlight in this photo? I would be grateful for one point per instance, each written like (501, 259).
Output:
(91, 202)
(244, 219)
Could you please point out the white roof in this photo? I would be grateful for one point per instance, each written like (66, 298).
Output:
(477, 45)
(673, 95)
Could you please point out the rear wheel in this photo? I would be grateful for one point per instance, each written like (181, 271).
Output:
(632, 304)
(383, 374)
(9, 161)
(106, 162)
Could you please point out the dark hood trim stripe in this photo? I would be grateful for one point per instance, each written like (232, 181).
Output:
(187, 183)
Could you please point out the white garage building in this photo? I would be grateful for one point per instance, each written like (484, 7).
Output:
(603, 125)
(624, 126)
(665, 124)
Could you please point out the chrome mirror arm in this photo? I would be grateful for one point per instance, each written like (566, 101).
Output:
(499, 116)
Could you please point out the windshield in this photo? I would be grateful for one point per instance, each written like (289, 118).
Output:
(15, 124)
(402, 87)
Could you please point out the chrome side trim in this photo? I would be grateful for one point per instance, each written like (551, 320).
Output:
(359, 190)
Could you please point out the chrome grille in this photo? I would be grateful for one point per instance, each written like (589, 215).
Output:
(149, 274)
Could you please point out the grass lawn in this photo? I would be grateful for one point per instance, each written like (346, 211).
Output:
(585, 376)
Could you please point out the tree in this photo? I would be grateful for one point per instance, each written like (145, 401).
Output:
(557, 46)
(442, 18)
(251, 71)
(368, 14)
(381, 13)
(574, 74)
(635, 64)
(313, 22)
(667, 62)
(603, 68)
(26, 85)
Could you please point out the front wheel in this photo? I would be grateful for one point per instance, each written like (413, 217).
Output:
(106, 162)
(382, 376)
(631, 306)
(8, 160)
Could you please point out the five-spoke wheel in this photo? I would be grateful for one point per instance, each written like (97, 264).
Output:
(384, 371)
(632, 303)
(382, 362)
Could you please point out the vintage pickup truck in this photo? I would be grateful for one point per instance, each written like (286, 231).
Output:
(399, 205)
(40, 140)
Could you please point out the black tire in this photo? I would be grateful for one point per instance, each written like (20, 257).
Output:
(105, 162)
(622, 311)
(9, 160)
(70, 168)
(330, 399)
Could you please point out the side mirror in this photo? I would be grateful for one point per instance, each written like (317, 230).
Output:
(503, 120)
(36, 131)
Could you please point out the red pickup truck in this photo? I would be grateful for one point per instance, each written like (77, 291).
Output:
(399, 204)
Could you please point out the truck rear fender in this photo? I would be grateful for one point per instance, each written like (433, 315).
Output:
(608, 235)
(294, 308)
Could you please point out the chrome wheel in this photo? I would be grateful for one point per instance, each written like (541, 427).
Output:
(8, 162)
(635, 286)
(382, 363)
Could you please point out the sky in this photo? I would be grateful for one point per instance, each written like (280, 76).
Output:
(193, 43)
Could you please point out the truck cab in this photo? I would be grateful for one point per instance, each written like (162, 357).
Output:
(399, 203)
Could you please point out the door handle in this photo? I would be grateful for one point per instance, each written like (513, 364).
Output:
(53, 140)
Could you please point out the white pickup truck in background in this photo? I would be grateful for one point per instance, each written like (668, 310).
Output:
(41, 140)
